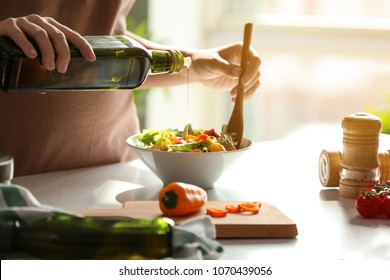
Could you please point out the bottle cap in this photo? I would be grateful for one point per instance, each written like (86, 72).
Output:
(187, 62)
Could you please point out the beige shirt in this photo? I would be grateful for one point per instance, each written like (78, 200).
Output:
(66, 130)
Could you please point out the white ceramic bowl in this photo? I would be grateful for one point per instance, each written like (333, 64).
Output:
(201, 169)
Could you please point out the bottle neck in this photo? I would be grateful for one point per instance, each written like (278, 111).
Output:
(168, 62)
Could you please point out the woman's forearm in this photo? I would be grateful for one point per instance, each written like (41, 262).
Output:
(217, 68)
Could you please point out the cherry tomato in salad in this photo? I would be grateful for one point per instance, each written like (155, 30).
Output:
(203, 137)
(213, 133)
(368, 205)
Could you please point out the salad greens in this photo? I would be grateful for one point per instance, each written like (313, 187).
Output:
(188, 140)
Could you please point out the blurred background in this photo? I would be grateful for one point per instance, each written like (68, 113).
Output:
(321, 60)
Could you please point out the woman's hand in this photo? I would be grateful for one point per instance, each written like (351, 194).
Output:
(219, 68)
(50, 36)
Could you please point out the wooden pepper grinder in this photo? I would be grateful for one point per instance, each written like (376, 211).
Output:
(359, 167)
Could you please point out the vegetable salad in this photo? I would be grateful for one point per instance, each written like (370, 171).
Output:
(188, 140)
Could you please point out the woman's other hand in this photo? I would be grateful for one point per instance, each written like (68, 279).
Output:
(219, 68)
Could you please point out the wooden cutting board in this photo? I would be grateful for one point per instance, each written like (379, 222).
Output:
(270, 222)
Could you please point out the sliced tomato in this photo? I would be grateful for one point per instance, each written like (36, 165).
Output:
(232, 208)
(252, 207)
(216, 212)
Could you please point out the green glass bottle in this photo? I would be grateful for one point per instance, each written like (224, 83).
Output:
(66, 237)
(121, 63)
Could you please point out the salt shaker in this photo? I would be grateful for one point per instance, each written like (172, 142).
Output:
(359, 167)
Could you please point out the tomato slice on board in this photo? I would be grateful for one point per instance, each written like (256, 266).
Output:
(253, 207)
(216, 212)
(232, 208)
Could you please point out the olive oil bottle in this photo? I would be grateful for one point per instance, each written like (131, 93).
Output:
(121, 63)
(66, 237)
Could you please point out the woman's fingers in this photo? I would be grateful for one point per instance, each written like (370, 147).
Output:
(10, 28)
(75, 39)
(252, 69)
(42, 34)
(249, 87)
(251, 75)
(50, 37)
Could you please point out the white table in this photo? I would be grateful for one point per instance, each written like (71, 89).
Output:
(282, 172)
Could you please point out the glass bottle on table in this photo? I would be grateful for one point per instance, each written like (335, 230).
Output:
(29, 230)
(64, 237)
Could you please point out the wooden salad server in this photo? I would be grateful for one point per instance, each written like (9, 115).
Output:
(236, 122)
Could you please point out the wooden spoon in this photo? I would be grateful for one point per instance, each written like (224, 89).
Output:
(236, 122)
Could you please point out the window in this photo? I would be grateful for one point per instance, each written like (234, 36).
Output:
(321, 59)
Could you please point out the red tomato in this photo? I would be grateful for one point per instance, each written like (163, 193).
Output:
(202, 137)
(386, 205)
(212, 132)
(368, 205)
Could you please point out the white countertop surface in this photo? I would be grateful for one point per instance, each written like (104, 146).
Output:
(282, 172)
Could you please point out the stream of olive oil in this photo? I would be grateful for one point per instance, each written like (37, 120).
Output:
(188, 95)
